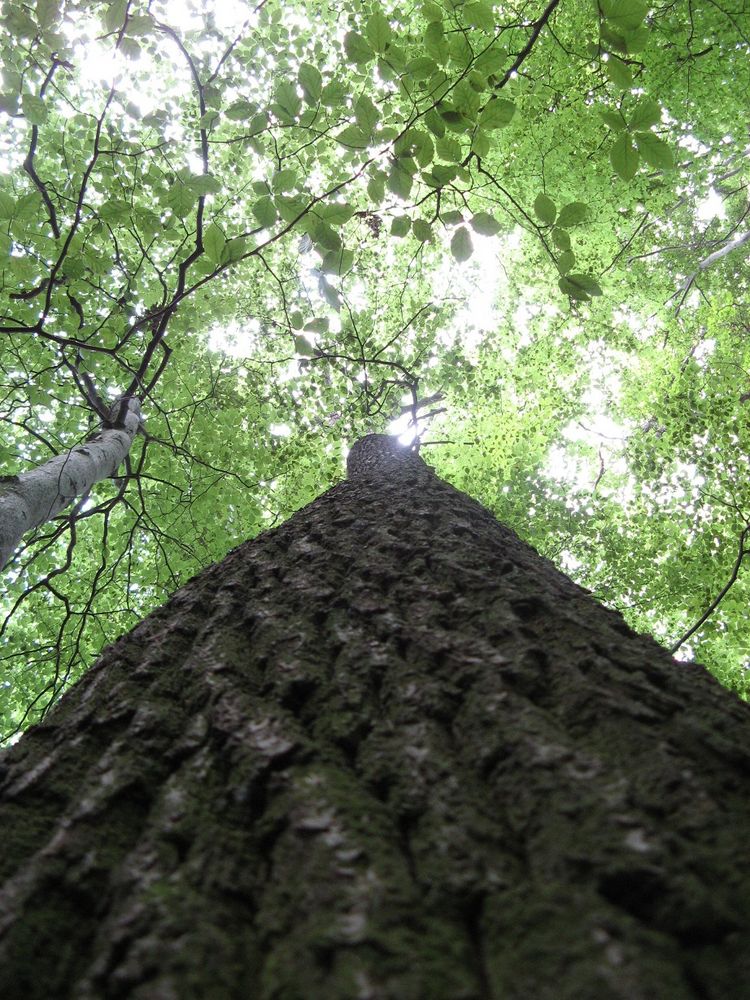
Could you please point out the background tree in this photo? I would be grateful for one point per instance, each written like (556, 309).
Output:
(270, 226)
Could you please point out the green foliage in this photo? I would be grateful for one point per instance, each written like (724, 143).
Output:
(285, 232)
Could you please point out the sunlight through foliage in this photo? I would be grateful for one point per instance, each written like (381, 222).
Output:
(516, 234)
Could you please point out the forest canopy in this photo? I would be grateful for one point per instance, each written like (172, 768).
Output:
(517, 231)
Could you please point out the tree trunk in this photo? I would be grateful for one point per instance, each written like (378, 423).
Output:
(28, 500)
(384, 752)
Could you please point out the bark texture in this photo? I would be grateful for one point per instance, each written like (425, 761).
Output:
(384, 752)
(28, 500)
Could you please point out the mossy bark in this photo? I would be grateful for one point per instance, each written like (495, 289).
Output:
(384, 751)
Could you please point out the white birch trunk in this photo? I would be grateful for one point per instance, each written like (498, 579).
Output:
(28, 500)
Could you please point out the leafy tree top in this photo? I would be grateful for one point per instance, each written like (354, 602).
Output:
(276, 227)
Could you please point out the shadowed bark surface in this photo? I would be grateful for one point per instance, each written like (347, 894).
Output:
(384, 751)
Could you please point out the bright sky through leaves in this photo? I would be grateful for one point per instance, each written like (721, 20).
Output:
(520, 232)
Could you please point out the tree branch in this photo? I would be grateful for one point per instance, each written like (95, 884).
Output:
(741, 553)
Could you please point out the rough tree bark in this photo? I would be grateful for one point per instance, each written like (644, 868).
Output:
(384, 751)
(28, 500)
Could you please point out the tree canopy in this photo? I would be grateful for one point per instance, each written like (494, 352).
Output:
(519, 231)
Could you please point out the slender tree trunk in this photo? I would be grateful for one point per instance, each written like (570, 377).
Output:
(28, 500)
(384, 752)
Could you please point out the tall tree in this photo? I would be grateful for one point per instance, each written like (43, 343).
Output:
(386, 751)
(31, 499)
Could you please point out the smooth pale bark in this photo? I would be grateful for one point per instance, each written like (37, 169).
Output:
(383, 752)
(28, 500)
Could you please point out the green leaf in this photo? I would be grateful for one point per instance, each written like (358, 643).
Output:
(34, 109)
(258, 124)
(435, 43)
(330, 293)
(181, 199)
(284, 180)
(424, 149)
(654, 151)
(338, 261)
(454, 120)
(399, 179)
(561, 239)
(378, 31)
(566, 261)
(624, 157)
(115, 15)
(265, 212)
(74, 267)
(449, 149)
(421, 68)
(422, 230)
(585, 283)
(140, 24)
(479, 15)
(415, 143)
(481, 144)
(497, 113)
(353, 137)
(545, 209)
(466, 100)
(366, 114)
(624, 14)
(637, 40)
(204, 184)
(478, 81)
(356, 48)
(303, 346)
(400, 225)
(573, 214)
(7, 206)
(435, 123)
(17, 22)
(9, 103)
(335, 213)
(573, 289)
(319, 325)
(618, 72)
(646, 113)
(290, 207)
(286, 97)
(130, 48)
(444, 174)
(376, 187)
(492, 60)
(324, 237)
(206, 121)
(609, 39)
(485, 224)
(118, 210)
(613, 120)
(311, 82)
(213, 242)
(235, 248)
(461, 245)
(452, 218)
(48, 13)
(334, 94)
(387, 132)
(431, 11)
